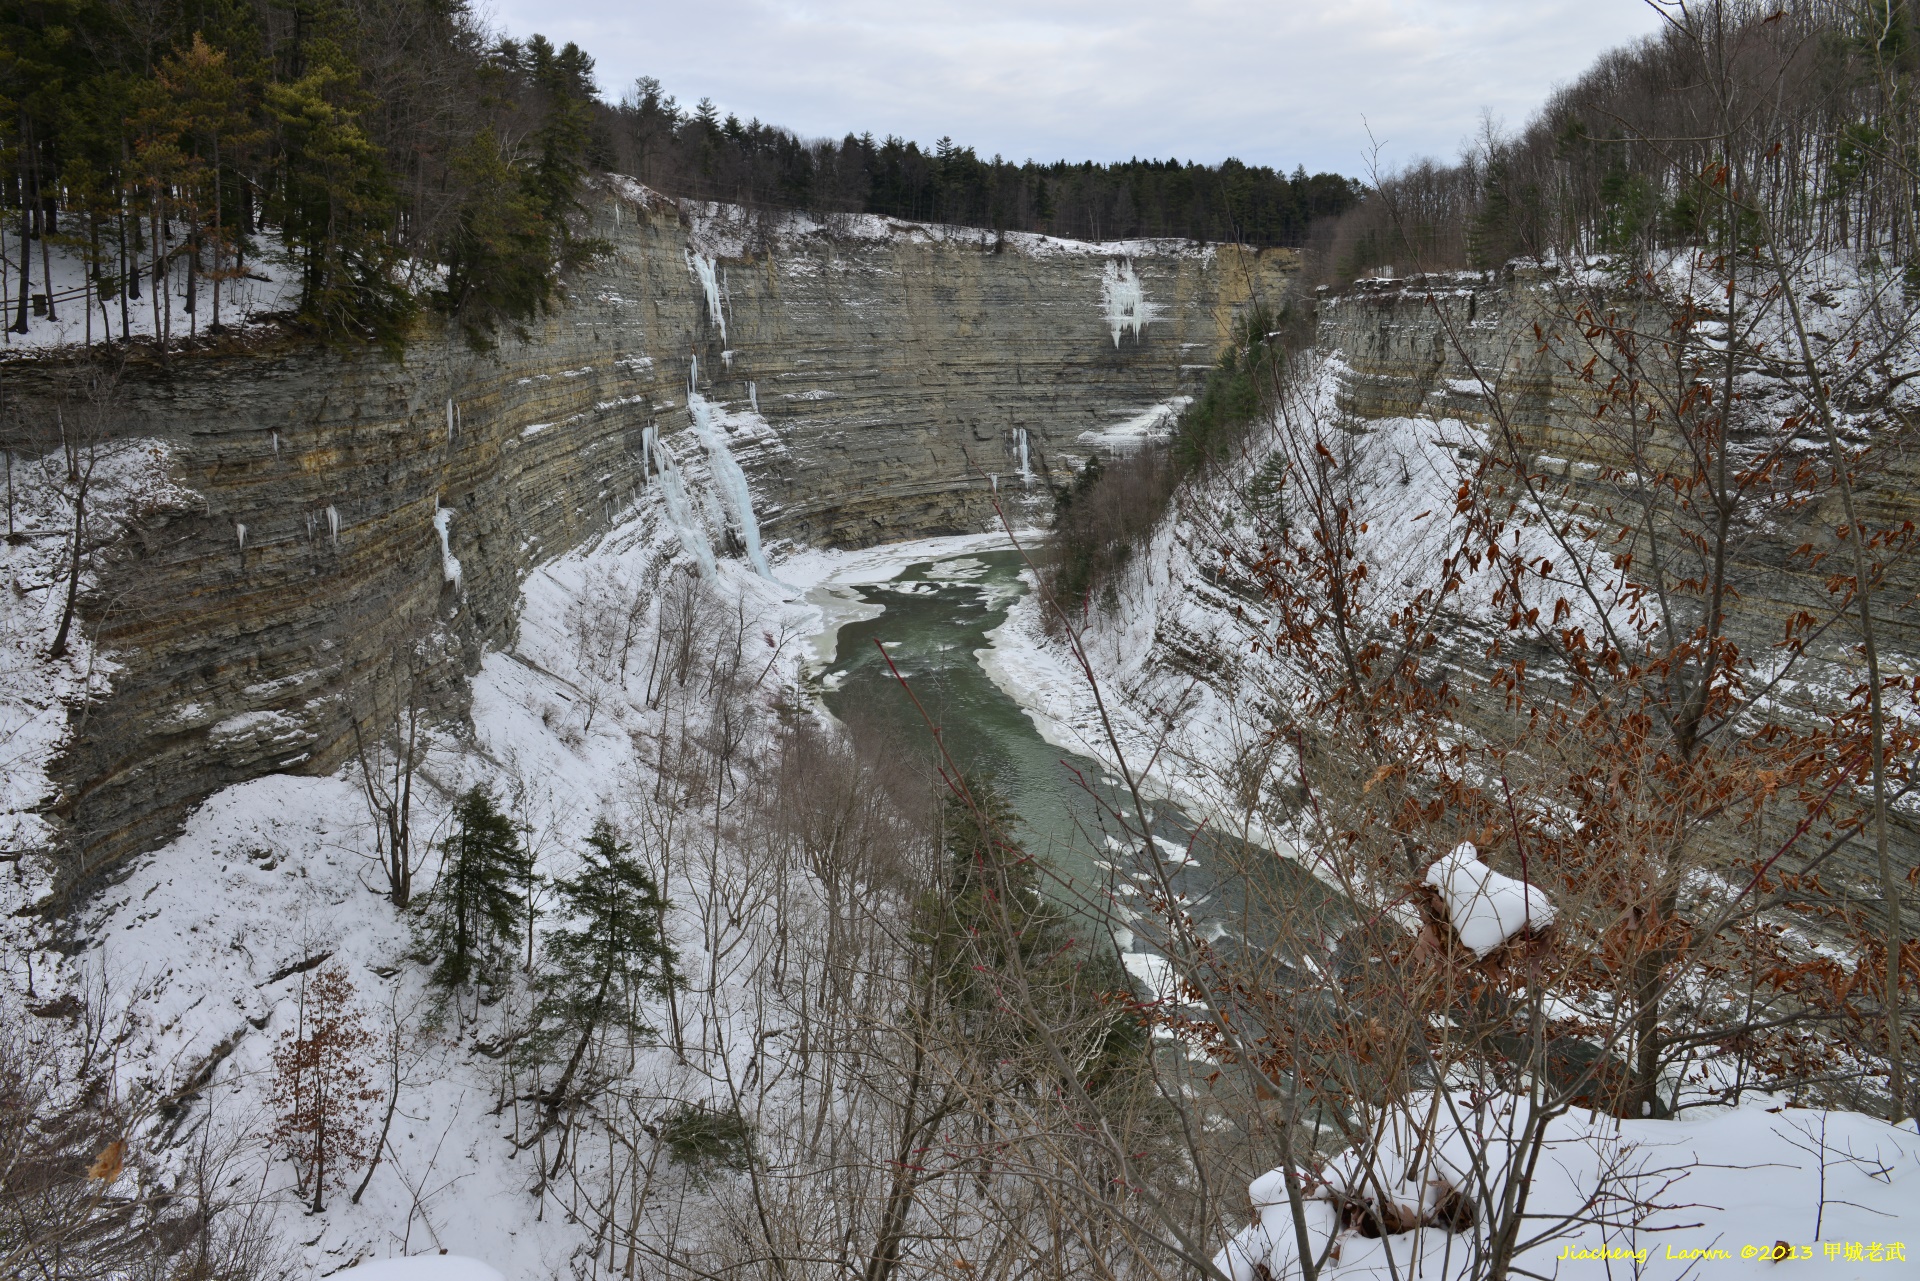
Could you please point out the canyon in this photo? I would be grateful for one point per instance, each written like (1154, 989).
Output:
(349, 529)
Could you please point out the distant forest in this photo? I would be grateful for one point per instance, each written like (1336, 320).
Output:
(397, 153)
(1632, 158)
(697, 153)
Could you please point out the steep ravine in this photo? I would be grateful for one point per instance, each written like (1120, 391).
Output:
(875, 379)
(1399, 358)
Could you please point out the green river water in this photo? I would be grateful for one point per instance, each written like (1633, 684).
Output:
(935, 616)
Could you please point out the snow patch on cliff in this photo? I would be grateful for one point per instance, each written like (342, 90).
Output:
(1151, 426)
(126, 481)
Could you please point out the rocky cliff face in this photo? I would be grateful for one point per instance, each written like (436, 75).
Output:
(873, 381)
(1421, 348)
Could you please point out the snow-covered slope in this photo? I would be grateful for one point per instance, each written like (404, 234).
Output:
(197, 958)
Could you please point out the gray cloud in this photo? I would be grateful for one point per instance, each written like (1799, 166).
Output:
(1283, 82)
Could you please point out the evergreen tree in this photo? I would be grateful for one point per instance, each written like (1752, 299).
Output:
(336, 209)
(596, 971)
(990, 930)
(474, 911)
(498, 254)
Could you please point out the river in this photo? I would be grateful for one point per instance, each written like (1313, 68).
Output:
(934, 617)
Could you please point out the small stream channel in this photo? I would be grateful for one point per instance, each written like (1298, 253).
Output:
(933, 618)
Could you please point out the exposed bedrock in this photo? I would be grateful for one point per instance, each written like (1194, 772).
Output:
(897, 367)
(1419, 348)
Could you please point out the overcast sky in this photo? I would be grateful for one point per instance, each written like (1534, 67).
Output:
(1280, 82)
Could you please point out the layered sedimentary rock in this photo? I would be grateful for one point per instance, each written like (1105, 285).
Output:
(1431, 347)
(873, 380)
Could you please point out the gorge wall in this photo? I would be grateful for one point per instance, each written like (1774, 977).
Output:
(874, 381)
(1420, 348)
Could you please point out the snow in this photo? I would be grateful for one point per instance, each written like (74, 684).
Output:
(130, 480)
(721, 231)
(276, 872)
(1648, 1193)
(270, 286)
(427, 1267)
(1123, 300)
(1486, 908)
(1150, 426)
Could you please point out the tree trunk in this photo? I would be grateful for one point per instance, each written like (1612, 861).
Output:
(59, 646)
(46, 233)
(26, 236)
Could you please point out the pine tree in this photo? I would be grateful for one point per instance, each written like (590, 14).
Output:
(335, 207)
(474, 911)
(596, 972)
(990, 930)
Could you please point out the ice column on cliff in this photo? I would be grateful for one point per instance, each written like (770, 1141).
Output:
(333, 525)
(1123, 300)
(240, 533)
(732, 482)
(449, 563)
(1026, 468)
(673, 489)
(702, 267)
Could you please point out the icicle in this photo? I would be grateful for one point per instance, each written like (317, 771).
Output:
(673, 489)
(333, 525)
(240, 533)
(449, 563)
(276, 444)
(994, 480)
(1124, 300)
(702, 268)
(753, 397)
(449, 419)
(648, 436)
(732, 482)
(309, 526)
(1026, 468)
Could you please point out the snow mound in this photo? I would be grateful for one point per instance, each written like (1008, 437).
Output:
(426, 1267)
(1651, 1199)
(1486, 908)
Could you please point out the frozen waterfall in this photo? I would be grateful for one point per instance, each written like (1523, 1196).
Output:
(449, 563)
(731, 481)
(673, 489)
(1123, 300)
(1026, 467)
(702, 267)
